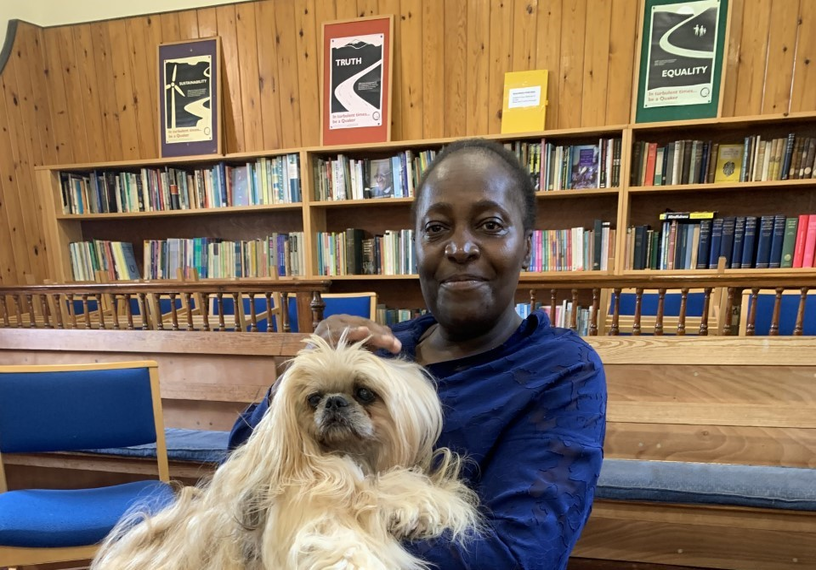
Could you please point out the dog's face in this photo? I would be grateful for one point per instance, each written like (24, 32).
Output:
(345, 400)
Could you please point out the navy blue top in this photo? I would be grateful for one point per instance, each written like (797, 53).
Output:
(531, 415)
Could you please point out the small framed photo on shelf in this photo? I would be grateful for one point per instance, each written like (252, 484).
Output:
(680, 64)
(356, 81)
(190, 98)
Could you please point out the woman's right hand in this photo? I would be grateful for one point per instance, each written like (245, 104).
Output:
(359, 328)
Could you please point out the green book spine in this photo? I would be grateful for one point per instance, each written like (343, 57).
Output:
(789, 241)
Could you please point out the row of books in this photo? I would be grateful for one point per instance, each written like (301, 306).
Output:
(274, 180)
(390, 316)
(344, 178)
(352, 252)
(574, 249)
(561, 315)
(702, 162)
(697, 240)
(575, 167)
(114, 258)
(279, 254)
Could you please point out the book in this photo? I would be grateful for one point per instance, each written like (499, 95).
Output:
(777, 239)
(524, 107)
(381, 181)
(788, 242)
(729, 163)
(585, 171)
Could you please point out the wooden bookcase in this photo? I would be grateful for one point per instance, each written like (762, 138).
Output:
(623, 206)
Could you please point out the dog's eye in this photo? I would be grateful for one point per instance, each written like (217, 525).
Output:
(314, 399)
(364, 395)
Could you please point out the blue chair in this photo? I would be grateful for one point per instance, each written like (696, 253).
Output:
(47, 408)
(358, 304)
(788, 309)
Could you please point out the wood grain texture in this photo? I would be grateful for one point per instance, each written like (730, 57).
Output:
(87, 92)
(693, 536)
(792, 447)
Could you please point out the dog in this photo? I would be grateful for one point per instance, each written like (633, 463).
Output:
(339, 472)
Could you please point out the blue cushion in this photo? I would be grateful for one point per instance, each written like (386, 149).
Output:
(38, 518)
(61, 411)
(708, 483)
(201, 446)
(788, 309)
(357, 306)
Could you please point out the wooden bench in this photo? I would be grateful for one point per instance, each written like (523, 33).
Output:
(206, 380)
(718, 401)
(712, 404)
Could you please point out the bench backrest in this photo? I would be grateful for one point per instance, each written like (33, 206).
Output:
(207, 378)
(716, 399)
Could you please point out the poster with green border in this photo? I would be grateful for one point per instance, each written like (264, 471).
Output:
(681, 59)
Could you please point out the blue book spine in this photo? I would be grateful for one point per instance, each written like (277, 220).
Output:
(727, 241)
(766, 229)
(777, 239)
(704, 248)
(736, 246)
(717, 238)
(749, 242)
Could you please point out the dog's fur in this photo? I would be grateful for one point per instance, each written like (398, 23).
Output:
(340, 470)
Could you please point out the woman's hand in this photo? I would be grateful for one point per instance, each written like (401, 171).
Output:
(359, 328)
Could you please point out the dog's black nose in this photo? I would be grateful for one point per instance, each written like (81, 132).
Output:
(336, 402)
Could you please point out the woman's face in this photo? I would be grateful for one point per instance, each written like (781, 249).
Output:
(471, 243)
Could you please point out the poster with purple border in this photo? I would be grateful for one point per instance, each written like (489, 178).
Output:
(189, 98)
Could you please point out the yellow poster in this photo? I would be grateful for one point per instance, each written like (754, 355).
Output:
(525, 101)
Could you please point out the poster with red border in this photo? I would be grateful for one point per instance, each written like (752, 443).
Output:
(356, 81)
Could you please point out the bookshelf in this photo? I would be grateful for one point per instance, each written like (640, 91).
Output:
(626, 205)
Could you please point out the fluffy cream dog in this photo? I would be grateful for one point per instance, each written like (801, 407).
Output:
(340, 470)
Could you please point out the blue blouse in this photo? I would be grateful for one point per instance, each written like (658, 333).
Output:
(530, 414)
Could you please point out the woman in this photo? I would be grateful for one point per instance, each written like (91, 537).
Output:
(525, 401)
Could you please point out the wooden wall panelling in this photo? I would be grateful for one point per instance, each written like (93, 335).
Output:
(752, 63)
(73, 93)
(366, 8)
(207, 23)
(103, 67)
(188, 24)
(803, 93)
(250, 76)
(306, 27)
(455, 84)
(525, 28)
(153, 39)
(433, 68)
(269, 97)
(782, 39)
(548, 53)
(501, 60)
(736, 9)
(22, 204)
(596, 62)
(105, 143)
(123, 88)
(345, 9)
(290, 108)
(170, 27)
(8, 217)
(621, 64)
(145, 98)
(478, 66)
(397, 104)
(32, 44)
(58, 100)
(411, 48)
(325, 11)
(573, 35)
(231, 80)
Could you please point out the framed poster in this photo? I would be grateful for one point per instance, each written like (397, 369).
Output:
(680, 67)
(355, 95)
(190, 97)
